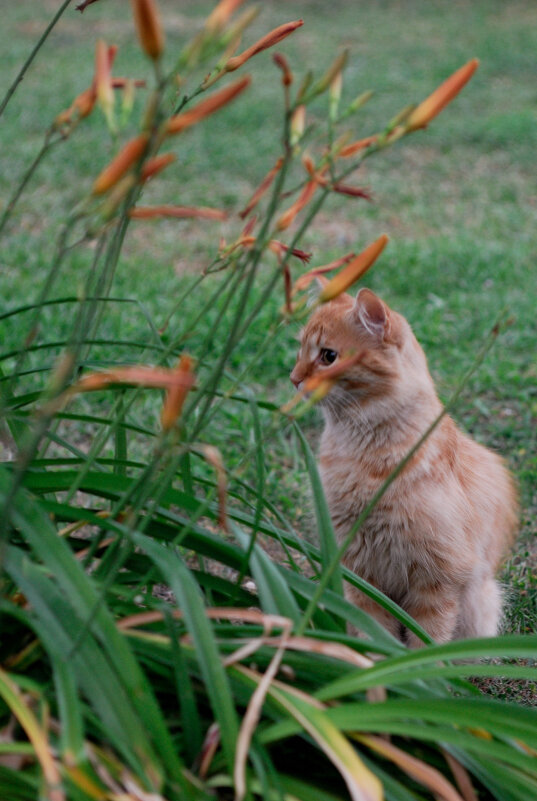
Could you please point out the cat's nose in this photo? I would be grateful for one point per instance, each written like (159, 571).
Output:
(296, 378)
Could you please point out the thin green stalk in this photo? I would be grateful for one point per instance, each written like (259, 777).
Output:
(43, 295)
(336, 560)
(40, 42)
(45, 147)
(236, 331)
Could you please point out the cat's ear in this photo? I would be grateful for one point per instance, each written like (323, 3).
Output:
(372, 313)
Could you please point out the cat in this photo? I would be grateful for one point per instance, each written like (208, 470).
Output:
(436, 538)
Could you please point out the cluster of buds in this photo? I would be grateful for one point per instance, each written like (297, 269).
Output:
(353, 267)
(101, 90)
(136, 162)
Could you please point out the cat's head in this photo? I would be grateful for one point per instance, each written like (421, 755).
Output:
(387, 359)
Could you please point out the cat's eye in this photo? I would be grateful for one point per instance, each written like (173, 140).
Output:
(327, 356)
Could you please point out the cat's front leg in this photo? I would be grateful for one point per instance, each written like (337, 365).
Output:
(383, 617)
(437, 614)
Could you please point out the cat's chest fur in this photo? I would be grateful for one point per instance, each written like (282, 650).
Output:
(406, 540)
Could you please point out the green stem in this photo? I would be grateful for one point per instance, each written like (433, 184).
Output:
(336, 560)
(12, 89)
(46, 146)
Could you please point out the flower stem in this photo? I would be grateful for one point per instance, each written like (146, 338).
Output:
(12, 89)
(45, 147)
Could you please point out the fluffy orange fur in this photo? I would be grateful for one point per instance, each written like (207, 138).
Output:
(436, 539)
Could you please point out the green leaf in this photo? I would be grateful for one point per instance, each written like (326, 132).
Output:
(190, 600)
(325, 528)
(274, 594)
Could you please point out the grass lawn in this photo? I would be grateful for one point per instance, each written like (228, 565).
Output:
(458, 200)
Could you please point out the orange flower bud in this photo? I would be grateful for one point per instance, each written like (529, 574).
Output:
(281, 62)
(287, 287)
(280, 250)
(261, 189)
(269, 40)
(305, 280)
(122, 83)
(176, 395)
(81, 107)
(112, 53)
(355, 147)
(85, 102)
(148, 212)
(354, 270)
(179, 122)
(352, 191)
(127, 156)
(103, 83)
(148, 27)
(221, 14)
(155, 165)
(140, 376)
(304, 198)
(298, 122)
(444, 94)
(309, 166)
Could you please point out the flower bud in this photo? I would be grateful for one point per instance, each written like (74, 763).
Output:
(336, 67)
(261, 189)
(281, 62)
(444, 94)
(131, 153)
(359, 101)
(180, 212)
(298, 122)
(176, 394)
(353, 271)
(334, 95)
(155, 165)
(185, 119)
(103, 83)
(269, 40)
(148, 27)
(220, 15)
(304, 198)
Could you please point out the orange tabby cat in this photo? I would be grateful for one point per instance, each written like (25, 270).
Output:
(436, 538)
